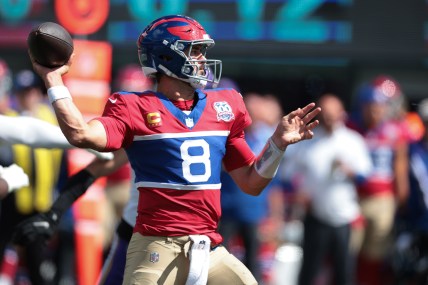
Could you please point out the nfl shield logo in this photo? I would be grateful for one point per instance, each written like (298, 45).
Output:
(154, 257)
(189, 122)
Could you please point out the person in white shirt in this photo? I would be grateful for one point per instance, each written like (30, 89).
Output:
(326, 170)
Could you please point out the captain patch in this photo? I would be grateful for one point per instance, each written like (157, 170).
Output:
(153, 119)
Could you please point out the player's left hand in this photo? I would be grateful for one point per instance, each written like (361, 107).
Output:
(296, 126)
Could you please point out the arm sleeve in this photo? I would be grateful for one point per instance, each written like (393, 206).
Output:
(238, 152)
(32, 132)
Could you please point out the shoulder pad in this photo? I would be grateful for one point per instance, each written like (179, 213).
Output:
(222, 91)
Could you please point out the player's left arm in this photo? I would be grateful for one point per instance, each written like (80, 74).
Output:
(293, 127)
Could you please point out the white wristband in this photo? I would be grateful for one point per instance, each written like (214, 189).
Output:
(58, 92)
(267, 162)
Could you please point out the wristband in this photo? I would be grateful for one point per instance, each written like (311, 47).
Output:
(57, 93)
(267, 162)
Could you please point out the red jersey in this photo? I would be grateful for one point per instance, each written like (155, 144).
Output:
(177, 157)
(382, 142)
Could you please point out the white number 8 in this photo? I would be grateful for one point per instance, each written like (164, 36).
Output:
(188, 159)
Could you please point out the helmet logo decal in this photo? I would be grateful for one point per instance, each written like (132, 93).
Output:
(389, 88)
(224, 111)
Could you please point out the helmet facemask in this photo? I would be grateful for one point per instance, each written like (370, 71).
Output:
(196, 72)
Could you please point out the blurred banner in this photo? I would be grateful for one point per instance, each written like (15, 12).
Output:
(339, 28)
(82, 17)
(89, 77)
(89, 81)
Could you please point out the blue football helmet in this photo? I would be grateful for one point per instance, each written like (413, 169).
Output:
(382, 89)
(166, 44)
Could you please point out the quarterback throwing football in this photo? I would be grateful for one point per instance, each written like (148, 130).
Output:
(177, 139)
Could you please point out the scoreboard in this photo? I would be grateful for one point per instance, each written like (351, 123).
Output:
(388, 29)
(296, 46)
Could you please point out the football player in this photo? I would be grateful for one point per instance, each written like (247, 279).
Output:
(176, 140)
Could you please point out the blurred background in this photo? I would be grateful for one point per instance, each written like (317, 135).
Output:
(293, 49)
(280, 54)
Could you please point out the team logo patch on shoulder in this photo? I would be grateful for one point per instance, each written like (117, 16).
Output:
(153, 119)
(224, 111)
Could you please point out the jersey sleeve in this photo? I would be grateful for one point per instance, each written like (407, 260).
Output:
(238, 152)
(117, 122)
(242, 119)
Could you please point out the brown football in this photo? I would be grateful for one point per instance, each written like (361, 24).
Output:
(50, 44)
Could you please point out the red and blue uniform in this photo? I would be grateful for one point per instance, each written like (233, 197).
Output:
(382, 142)
(177, 158)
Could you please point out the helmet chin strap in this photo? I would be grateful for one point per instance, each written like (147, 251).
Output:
(196, 83)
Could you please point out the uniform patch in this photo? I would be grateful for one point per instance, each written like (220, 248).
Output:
(201, 245)
(154, 257)
(154, 119)
(189, 122)
(224, 111)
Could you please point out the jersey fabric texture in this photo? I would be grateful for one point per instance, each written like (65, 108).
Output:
(177, 157)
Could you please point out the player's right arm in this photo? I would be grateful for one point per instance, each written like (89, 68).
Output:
(78, 132)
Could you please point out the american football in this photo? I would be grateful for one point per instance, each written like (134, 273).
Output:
(50, 44)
